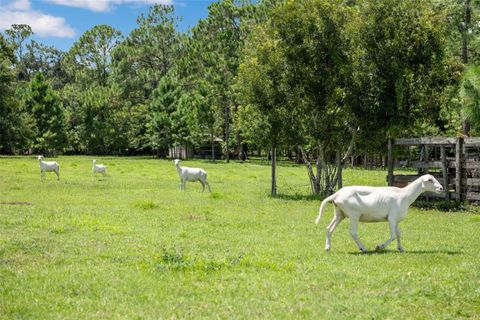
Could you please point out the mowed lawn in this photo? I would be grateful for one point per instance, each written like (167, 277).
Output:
(133, 246)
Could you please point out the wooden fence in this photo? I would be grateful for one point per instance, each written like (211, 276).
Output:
(455, 162)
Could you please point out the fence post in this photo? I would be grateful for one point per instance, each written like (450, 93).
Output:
(390, 162)
(458, 168)
(339, 170)
(445, 173)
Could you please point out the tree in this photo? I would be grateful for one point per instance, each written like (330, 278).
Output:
(164, 103)
(17, 36)
(217, 42)
(463, 34)
(470, 97)
(12, 120)
(148, 53)
(293, 73)
(89, 60)
(260, 84)
(48, 114)
(313, 37)
(400, 69)
(44, 59)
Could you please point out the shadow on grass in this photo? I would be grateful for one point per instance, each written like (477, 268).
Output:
(297, 197)
(382, 252)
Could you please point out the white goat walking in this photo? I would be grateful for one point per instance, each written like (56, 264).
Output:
(48, 166)
(191, 174)
(96, 168)
(375, 204)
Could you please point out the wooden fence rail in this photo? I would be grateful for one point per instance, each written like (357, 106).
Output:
(460, 175)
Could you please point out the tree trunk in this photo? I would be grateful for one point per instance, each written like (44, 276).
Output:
(339, 170)
(227, 132)
(239, 146)
(274, 169)
(466, 26)
(466, 128)
(314, 180)
(212, 142)
(238, 136)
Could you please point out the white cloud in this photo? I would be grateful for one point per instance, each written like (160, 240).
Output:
(19, 5)
(104, 5)
(43, 25)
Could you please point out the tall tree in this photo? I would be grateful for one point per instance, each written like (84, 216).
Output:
(462, 19)
(400, 68)
(48, 113)
(12, 126)
(148, 53)
(17, 36)
(261, 85)
(89, 61)
(47, 60)
(164, 104)
(218, 40)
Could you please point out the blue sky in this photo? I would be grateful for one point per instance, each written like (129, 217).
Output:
(61, 22)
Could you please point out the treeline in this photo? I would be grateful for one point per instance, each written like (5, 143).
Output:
(323, 79)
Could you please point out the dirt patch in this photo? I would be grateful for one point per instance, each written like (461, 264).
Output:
(198, 217)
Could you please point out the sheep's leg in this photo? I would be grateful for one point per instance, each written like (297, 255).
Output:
(203, 184)
(208, 185)
(399, 245)
(331, 227)
(392, 223)
(354, 233)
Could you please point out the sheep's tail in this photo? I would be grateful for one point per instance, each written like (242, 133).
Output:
(322, 206)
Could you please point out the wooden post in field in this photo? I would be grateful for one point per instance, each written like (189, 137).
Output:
(339, 170)
(445, 172)
(274, 173)
(390, 162)
(458, 168)
(426, 151)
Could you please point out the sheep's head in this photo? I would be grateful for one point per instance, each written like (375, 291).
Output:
(176, 161)
(94, 161)
(429, 183)
(40, 157)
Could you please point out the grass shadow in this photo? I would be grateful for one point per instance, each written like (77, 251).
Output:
(374, 252)
(448, 252)
(297, 197)
(20, 203)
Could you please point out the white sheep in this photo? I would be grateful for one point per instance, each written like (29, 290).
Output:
(96, 168)
(191, 174)
(48, 166)
(375, 204)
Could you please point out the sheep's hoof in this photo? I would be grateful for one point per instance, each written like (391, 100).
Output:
(378, 247)
(401, 249)
(363, 251)
(327, 249)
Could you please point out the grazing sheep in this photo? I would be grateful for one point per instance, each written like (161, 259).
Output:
(48, 166)
(375, 204)
(99, 168)
(191, 174)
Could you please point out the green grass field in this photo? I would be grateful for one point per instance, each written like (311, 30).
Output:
(132, 246)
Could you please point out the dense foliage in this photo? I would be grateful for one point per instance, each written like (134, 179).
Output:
(316, 78)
